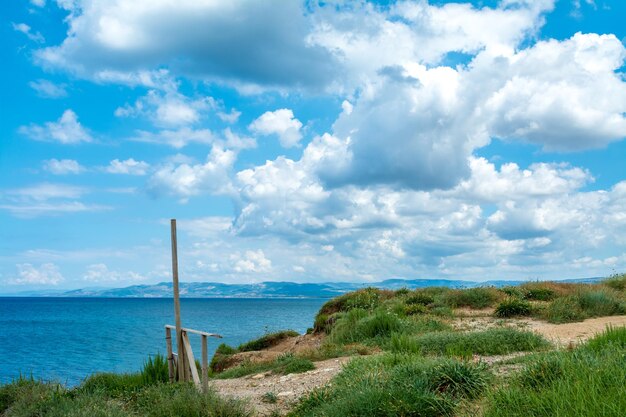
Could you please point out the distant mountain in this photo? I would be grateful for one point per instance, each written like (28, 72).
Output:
(269, 289)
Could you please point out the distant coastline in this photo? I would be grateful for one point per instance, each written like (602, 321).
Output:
(270, 289)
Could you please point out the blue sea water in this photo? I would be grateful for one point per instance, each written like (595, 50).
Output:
(67, 339)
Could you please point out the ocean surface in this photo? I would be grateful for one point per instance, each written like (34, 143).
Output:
(67, 339)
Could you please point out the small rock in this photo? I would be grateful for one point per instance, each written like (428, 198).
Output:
(285, 394)
(258, 376)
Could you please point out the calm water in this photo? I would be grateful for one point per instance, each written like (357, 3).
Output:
(66, 339)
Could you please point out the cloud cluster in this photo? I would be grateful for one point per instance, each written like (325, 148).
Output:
(281, 123)
(67, 130)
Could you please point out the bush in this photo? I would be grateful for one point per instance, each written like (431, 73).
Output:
(267, 340)
(113, 385)
(564, 310)
(155, 370)
(512, 307)
(458, 379)
(538, 293)
(599, 303)
(357, 326)
(616, 282)
(480, 297)
(541, 372)
(420, 298)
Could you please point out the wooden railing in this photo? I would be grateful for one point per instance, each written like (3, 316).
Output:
(185, 357)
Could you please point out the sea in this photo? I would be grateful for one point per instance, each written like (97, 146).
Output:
(67, 339)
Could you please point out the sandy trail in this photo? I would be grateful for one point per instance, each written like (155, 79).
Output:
(286, 388)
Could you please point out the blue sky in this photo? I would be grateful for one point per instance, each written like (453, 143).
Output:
(311, 141)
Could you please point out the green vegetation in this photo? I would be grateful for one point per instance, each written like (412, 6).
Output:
(421, 361)
(396, 385)
(512, 307)
(110, 395)
(489, 342)
(284, 364)
(588, 381)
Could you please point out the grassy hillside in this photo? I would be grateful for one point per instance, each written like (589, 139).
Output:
(414, 361)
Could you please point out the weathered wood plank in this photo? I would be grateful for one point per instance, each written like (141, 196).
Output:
(205, 364)
(179, 338)
(170, 354)
(201, 333)
(192, 362)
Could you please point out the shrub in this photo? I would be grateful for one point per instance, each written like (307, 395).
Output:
(420, 298)
(357, 325)
(480, 297)
(512, 291)
(539, 294)
(458, 379)
(616, 281)
(415, 309)
(155, 370)
(564, 310)
(599, 303)
(512, 307)
(290, 364)
(267, 340)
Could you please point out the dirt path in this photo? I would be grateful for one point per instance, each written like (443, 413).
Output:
(285, 388)
(560, 334)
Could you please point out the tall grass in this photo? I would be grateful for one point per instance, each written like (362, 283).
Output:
(396, 385)
(489, 342)
(585, 382)
(480, 297)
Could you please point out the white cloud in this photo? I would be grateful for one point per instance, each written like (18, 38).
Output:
(63, 166)
(45, 274)
(26, 30)
(190, 38)
(231, 117)
(168, 108)
(38, 3)
(48, 89)
(186, 180)
(178, 138)
(99, 273)
(128, 167)
(46, 199)
(281, 123)
(252, 262)
(67, 130)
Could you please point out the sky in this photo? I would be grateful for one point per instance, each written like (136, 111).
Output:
(310, 141)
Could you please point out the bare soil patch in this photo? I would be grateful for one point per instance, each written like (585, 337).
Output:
(286, 389)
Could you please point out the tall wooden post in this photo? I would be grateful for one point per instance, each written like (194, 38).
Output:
(179, 335)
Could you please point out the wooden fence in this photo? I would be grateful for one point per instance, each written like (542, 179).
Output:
(185, 358)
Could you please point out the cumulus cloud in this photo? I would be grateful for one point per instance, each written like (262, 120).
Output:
(281, 123)
(252, 262)
(45, 274)
(63, 166)
(128, 167)
(187, 180)
(48, 89)
(168, 108)
(67, 130)
(28, 32)
(193, 38)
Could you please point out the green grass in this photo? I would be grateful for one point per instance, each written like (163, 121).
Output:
(396, 385)
(108, 396)
(513, 307)
(284, 364)
(489, 342)
(477, 298)
(616, 282)
(584, 382)
(267, 340)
